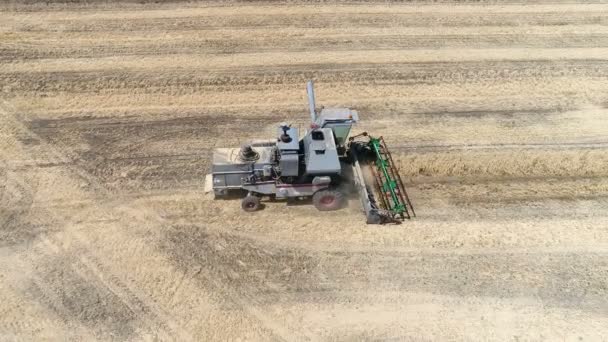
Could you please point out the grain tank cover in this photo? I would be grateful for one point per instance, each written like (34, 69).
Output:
(340, 120)
(337, 114)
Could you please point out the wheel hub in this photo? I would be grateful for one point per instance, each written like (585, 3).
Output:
(327, 200)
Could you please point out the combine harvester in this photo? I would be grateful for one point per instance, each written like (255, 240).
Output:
(325, 164)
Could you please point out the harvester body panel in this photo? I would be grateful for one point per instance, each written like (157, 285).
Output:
(321, 155)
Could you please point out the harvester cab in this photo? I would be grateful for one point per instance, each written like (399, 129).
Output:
(325, 165)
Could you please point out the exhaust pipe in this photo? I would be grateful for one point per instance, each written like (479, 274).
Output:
(310, 89)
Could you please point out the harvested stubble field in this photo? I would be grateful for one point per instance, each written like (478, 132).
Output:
(496, 112)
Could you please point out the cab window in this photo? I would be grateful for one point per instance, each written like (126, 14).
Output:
(317, 135)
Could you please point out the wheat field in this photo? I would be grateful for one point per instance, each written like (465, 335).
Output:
(496, 113)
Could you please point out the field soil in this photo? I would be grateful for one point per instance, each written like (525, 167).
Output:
(496, 113)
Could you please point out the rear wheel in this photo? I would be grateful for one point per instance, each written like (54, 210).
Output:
(250, 203)
(327, 200)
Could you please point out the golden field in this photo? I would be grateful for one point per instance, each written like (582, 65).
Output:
(496, 112)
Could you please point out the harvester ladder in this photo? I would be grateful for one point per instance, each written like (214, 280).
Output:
(394, 197)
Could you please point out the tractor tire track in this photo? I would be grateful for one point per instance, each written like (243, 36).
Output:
(328, 20)
(112, 283)
(187, 82)
(136, 304)
(222, 46)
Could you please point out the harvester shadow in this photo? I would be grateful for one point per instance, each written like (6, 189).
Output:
(295, 202)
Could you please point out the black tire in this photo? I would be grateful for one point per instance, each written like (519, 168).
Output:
(328, 200)
(250, 203)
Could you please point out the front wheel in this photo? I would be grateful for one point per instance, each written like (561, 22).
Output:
(328, 200)
(250, 203)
